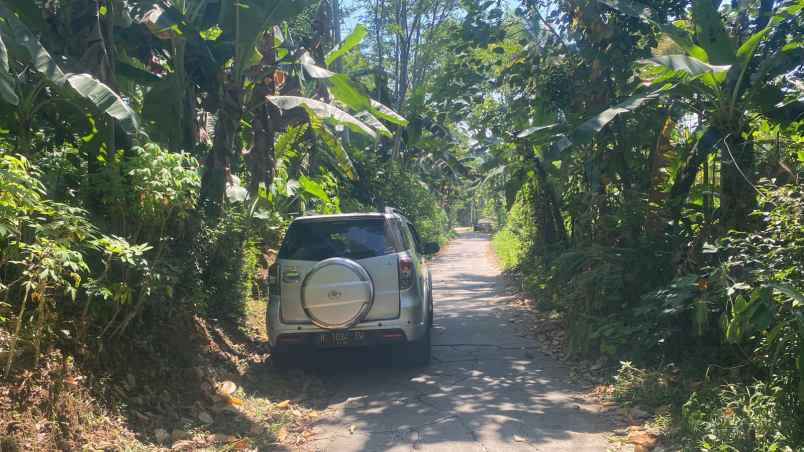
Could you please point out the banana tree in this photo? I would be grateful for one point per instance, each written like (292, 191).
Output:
(267, 84)
(725, 82)
(34, 81)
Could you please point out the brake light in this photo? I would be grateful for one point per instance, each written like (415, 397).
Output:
(405, 272)
(273, 279)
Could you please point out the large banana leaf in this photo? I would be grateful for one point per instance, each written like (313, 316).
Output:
(313, 69)
(598, 122)
(7, 91)
(745, 53)
(323, 111)
(531, 130)
(353, 40)
(349, 93)
(103, 98)
(374, 123)
(333, 144)
(381, 111)
(684, 63)
(314, 188)
(711, 33)
(20, 38)
(244, 21)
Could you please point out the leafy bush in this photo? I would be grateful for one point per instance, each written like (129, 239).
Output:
(52, 256)
(389, 184)
(515, 241)
(508, 248)
(649, 388)
(740, 417)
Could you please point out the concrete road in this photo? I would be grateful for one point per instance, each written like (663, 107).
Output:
(487, 389)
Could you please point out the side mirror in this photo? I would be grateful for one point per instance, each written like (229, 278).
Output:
(430, 248)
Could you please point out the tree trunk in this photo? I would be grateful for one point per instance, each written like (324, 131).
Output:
(737, 192)
(218, 163)
(552, 230)
(263, 152)
(686, 177)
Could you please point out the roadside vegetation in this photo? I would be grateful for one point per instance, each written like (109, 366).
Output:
(649, 157)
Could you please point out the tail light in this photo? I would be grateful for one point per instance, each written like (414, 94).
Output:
(273, 280)
(405, 272)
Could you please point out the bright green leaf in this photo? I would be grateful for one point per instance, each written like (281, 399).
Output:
(314, 188)
(381, 111)
(711, 34)
(348, 93)
(354, 39)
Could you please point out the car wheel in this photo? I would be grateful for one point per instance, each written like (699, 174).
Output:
(418, 352)
(430, 312)
(281, 358)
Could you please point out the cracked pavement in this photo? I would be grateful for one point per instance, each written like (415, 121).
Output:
(487, 389)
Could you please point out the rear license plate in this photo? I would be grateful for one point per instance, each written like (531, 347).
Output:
(341, 338)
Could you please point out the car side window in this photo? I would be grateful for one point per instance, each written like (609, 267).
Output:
(416, 240)
(407, 242)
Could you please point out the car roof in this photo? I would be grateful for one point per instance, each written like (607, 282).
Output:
(345, 216)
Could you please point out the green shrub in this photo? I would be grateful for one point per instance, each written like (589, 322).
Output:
(387, 183)
(646, 387)
(740, 417)
(508, 248)
(515, 241)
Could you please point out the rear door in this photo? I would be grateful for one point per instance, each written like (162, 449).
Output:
(418, 259)
(368, 241)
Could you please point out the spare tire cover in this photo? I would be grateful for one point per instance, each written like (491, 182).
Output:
(337, 293)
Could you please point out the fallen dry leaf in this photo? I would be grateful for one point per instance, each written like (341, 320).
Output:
(234, 401)
(227, 388)
(282, 434)
(240, 444)
(641, 439)
(283, 405)
(184, 445)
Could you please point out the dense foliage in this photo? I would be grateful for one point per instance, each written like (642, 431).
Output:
(650, 157)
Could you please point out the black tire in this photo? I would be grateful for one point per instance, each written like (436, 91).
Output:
(282, 359)
(418, 353)
(430, 309)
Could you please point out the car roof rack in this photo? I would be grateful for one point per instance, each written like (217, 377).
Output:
(394, 211)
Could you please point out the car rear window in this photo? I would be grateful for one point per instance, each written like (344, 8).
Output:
(352, 239)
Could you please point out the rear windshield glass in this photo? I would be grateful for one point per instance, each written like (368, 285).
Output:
(352, 239)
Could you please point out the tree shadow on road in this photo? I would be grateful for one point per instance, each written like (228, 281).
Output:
(485, 389)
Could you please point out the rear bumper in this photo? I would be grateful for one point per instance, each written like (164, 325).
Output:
(412, 323)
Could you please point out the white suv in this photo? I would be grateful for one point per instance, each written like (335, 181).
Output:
(351, 280)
